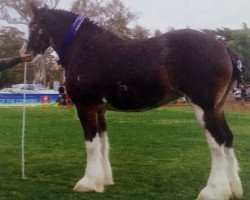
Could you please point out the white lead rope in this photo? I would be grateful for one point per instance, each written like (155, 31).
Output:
(24, 123)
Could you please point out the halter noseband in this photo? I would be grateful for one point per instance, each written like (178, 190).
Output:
(70, 36)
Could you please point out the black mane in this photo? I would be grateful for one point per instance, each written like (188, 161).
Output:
(59, 14)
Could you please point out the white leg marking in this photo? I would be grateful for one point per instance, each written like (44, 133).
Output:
(218, 187)
(93, 179)
(199, 113)
(233, 173)
(108, 177)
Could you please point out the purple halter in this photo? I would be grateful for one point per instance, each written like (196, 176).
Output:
(70, 36)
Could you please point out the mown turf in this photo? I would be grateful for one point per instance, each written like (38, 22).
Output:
(158, 154)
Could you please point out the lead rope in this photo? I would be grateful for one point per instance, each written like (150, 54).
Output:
(24, 123)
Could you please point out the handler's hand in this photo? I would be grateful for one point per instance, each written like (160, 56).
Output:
(26, 57)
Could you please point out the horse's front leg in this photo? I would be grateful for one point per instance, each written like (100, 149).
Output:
(102, 131)
(93, 179)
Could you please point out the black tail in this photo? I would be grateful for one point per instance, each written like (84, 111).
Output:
(238, 67)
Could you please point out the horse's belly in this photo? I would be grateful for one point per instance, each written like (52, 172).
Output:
(137, 101)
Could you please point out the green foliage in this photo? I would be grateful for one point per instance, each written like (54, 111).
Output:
(112, 15)
(158, 154)
(19, 12)
(10, 44)
(22, 10)
(139, 32)
(240, 42)
(10, 41)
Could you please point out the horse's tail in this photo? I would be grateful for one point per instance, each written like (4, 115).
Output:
(238, 67)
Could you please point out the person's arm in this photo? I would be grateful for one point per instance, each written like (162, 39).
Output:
(10, 62)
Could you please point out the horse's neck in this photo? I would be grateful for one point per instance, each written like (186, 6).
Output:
(85, 35)
(88, 35)
(57, 26)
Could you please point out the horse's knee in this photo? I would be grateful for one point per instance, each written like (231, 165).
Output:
(102, 126)
(228, 132)
(229, 139)
(213, 124)
(88, 119)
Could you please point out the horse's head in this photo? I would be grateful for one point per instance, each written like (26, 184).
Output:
(39, 39)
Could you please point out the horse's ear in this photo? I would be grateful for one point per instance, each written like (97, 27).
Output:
(34, 8)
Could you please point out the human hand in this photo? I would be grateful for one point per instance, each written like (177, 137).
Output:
(26, 57)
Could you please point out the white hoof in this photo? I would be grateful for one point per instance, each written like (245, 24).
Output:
(236, 188)
(233, 173)
(87, 185)
(212, 193)
(109, 181)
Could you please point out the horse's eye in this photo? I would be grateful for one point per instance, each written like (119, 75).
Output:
(40, 31)
(34, 27)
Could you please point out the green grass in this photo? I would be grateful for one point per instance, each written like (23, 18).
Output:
(158, 154)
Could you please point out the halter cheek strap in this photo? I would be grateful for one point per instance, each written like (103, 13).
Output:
(70, 36)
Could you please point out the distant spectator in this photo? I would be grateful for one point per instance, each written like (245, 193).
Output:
(10, 62)
(243, 95)
(62, 94)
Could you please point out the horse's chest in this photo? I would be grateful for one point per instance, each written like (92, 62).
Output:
(84, 86)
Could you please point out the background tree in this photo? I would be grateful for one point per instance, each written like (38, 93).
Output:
(140, 32)
(223, 32)
(112, 15)
(239, 40)
(10, 43)
(244, 26)
(47, 69)
(18, 12)
(157, 32)
(22, 10)
(241, 44)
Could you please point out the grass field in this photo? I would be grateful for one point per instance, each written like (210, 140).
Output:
(158, 154)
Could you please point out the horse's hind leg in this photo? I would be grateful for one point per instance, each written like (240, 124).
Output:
(93, 179)
(218, 186)
(233, 167)
(104, 141)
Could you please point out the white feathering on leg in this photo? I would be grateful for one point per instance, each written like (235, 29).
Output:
(108, 177)
(233, 173)
(93, 179)
(218, 187)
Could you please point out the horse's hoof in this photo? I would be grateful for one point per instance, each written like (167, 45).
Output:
(109, 182)
(86, 185)
(212, 193)
(236, 188)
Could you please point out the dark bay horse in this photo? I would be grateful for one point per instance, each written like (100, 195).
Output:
(133, 75)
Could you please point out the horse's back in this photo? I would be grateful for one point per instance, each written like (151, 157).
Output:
(145, 73)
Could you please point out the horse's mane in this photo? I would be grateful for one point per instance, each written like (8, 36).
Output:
(61, 12)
